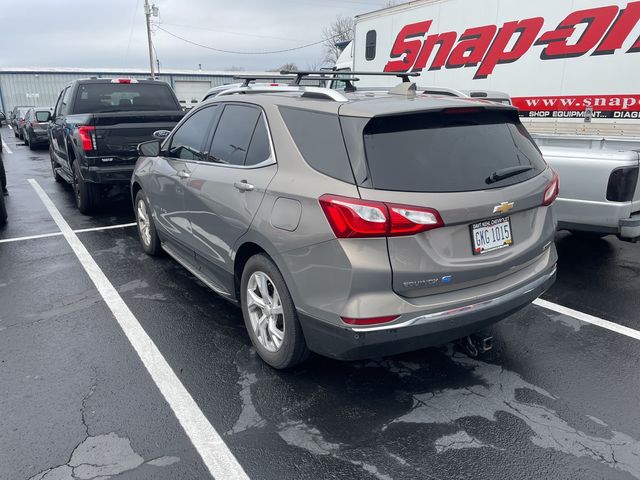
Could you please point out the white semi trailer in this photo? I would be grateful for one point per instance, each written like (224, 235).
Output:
(571, 67)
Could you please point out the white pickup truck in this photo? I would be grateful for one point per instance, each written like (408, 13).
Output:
(571, 67)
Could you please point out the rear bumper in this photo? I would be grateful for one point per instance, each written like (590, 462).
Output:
(111, 175)
(419, 331)
(627, 228)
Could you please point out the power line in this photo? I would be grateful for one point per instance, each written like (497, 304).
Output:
(241, 53)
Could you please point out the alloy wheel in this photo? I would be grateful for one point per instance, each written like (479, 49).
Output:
(265, 311)
(144, 222)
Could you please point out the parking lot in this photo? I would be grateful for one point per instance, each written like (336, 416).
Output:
(86, 392)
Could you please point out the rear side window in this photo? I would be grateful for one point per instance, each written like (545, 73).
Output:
(319, 139)
(448, 152)
(123, 97)
(259, 148)
(189, 140)
(233, 135)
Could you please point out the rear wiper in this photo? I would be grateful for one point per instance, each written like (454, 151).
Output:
(507, 172)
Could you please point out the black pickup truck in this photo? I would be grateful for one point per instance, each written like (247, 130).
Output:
(96, 127)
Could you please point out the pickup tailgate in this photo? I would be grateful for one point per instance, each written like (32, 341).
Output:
(118, 134)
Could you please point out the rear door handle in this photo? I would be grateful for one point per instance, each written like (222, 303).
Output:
(183, 174)
(243, 186)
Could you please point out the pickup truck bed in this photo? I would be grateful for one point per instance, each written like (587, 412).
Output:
(599, 182)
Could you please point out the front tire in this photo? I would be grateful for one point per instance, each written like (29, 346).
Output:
(270, 315)
(87, 194)
(146, 228)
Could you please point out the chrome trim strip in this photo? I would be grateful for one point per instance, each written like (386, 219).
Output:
(493, 302)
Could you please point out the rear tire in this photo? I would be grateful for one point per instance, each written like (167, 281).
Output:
(54, 165)
(146, 228)
(87, 194)
(286, 346)
(3, 210)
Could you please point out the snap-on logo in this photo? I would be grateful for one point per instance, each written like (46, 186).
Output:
(486, 47)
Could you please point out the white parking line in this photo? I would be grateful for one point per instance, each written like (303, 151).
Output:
(108, 227)
(585, 317)
(215, 454)
(57, 234)
(5, 147)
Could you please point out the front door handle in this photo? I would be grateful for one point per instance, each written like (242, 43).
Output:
(183, 174)
(243, 186)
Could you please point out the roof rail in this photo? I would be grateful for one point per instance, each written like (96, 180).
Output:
(300, 74)
(316, 92)
(252, 78)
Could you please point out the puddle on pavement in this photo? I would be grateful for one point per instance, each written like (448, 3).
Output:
(471, 389)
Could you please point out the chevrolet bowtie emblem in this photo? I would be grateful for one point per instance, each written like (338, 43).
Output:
(504, 207)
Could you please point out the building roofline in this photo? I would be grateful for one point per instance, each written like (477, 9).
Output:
(130, 71)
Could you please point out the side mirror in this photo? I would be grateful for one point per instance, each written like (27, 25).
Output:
(46, 119)
(2, 117)
(149, 149)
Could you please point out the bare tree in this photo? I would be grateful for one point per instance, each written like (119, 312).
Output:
(341, 30)
(292, 67)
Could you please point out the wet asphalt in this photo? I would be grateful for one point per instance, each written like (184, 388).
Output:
(555, 398)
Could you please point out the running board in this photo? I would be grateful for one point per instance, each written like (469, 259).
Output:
(67, 178)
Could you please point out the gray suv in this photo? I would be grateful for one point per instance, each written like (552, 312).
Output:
(352, 225)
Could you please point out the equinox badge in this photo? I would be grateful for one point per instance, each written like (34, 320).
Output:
(504, 207)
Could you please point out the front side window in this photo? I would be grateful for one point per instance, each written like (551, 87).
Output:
(188, 142)
(233, 135)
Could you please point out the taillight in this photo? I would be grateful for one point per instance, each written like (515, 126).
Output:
(87, 138)
(124, 80)
(551, 192)
(356, 218)
(622, 184)
(369, 321)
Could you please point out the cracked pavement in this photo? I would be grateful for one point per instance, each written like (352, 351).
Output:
(555, 398)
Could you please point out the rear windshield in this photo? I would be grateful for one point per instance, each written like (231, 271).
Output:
(123, 97)
(449, 152)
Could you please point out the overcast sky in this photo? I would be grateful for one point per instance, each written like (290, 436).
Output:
(111, 33)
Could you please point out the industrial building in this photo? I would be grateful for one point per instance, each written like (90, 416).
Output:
(41, 86)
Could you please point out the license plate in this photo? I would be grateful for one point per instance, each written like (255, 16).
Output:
(491, 235)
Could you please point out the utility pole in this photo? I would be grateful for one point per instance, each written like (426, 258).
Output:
(148, 11)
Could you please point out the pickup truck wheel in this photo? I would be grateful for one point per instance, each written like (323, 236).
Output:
(270, 315)
(54, 165)
(87, 194)
(146, 228)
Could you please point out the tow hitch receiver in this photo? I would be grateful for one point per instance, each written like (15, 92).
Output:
(476, 344)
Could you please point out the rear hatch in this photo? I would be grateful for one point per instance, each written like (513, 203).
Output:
(127, 112)
(482, 173)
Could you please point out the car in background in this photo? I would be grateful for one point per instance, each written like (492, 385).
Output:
(352, 225)
(36, 122)
(96, 127)
(17, 120)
